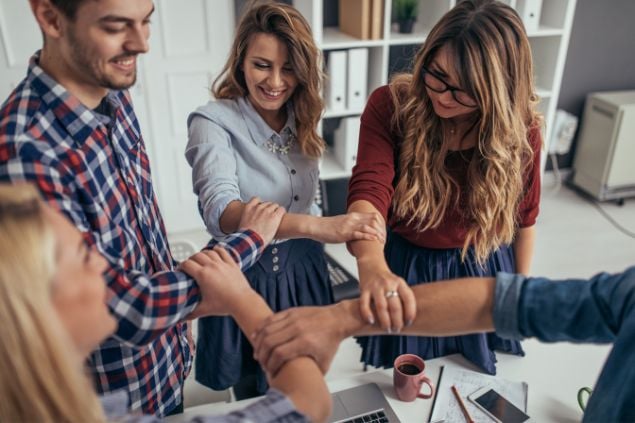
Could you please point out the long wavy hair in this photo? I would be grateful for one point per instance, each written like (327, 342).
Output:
(492, 56)
(286, 23)
(41, 377)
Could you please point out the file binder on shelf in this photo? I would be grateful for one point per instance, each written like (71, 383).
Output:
(335, 94)
(346, 138)
(357, 81)
(529, 11)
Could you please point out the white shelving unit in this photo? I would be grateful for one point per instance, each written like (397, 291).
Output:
(549, 43)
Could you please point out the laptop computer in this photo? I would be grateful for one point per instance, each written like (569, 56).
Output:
(364, 403)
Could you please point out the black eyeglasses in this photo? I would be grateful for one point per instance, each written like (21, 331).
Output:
(438, 85)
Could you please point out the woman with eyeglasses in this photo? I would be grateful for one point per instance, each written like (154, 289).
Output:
(450, 156)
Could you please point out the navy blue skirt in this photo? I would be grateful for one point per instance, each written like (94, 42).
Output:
(290, 274)
(421, 265)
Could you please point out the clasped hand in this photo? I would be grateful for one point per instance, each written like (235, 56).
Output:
(302, 331)
(219, 277)
(262, 217)
(350, 227)
(385, 298)
(220, 280)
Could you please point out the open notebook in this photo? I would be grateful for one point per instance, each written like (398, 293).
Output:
(446, 407)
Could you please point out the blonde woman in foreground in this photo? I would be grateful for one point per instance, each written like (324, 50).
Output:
(53, 312)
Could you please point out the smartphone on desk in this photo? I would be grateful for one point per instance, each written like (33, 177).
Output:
(497, 407)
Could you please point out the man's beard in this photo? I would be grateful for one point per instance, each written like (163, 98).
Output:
(83, 58)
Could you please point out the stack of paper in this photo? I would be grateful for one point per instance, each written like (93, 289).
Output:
(447, 408)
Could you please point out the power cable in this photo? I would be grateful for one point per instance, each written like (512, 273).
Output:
(603, 212)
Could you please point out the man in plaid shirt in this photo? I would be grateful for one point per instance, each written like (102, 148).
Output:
(69, 127)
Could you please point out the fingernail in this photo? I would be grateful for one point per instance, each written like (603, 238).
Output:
(253, 335)
(371, 321)
(389, 330)
(409, 322)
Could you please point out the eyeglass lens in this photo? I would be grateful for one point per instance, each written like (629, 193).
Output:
(439, 86)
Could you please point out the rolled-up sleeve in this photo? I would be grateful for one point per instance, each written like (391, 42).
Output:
(574, 310)
(210, 154)
(506, 298)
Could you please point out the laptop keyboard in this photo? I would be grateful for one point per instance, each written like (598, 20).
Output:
(377, 416)
(337, 274)
(344, 284)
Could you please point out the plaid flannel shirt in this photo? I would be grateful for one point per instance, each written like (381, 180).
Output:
(97, 173)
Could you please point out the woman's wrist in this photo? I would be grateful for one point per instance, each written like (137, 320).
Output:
(311, 226)
(296, 225)
(370, 261)
(248, 305)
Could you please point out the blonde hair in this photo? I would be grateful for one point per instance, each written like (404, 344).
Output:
(286, 23)
(490, 49)
(40, 378)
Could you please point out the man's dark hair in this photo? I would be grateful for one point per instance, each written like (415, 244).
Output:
(68, 7)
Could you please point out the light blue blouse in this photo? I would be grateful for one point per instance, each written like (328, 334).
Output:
(229, 152)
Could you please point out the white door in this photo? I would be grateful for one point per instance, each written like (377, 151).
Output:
(20, 37)
(188, 47)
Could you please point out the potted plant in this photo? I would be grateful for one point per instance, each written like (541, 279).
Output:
(405, 13)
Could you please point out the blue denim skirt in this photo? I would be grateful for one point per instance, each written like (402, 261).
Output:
(290, 274)
(422, 265)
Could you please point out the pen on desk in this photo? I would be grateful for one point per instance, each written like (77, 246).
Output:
(462, 405)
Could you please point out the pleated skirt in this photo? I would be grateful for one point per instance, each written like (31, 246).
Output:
(422, 265)
(290, 274)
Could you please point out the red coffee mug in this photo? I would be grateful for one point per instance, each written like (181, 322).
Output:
(408, 377)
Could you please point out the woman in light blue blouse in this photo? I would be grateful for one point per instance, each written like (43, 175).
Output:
(259, 139)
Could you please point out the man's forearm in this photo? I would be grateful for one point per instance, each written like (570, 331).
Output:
(443, 308)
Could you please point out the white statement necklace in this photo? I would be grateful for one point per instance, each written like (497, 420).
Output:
(282, 148)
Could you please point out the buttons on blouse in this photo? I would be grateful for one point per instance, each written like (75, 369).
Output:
(296, 197)
(293, 172)
(275, 259)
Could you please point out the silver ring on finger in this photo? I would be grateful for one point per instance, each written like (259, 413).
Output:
(391, 293)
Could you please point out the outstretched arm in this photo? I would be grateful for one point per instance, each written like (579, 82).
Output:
(317, 331)
(593, 310)
(332, 229)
